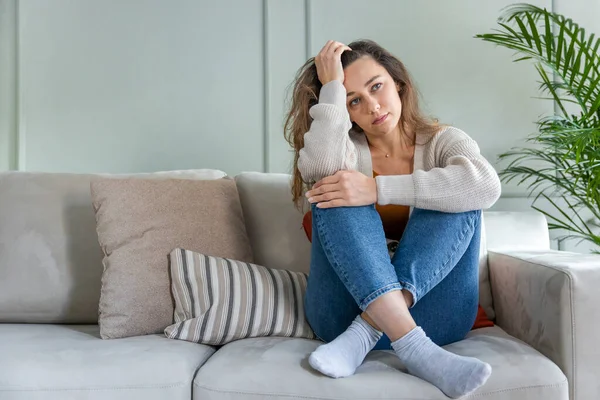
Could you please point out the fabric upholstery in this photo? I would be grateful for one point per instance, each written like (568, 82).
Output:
(71, 362)
(139, 223)
(273, 224)
(516, 230)
(277, 368)
(50, 259)
(550, 300)
(507, 229)
(218, 300)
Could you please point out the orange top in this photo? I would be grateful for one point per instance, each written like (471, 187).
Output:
(394, 218)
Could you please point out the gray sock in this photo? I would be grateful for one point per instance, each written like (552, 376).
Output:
(344, 354)
(453, 374)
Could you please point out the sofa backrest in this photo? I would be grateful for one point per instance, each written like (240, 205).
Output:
(51, 262)
(273, 224)
(516, 230)
(50, 259)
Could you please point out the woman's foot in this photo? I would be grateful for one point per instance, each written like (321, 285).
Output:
(454, 375)
(344, 354)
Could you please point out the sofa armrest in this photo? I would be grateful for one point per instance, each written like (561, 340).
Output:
(516, 230)
(551, 300)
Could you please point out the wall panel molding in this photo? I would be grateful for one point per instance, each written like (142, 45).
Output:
(266, 89)
(308, 27)
(9, 138)
(21, 154)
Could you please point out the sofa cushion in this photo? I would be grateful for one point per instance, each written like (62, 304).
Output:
(65, 362)
(218, 300)
(139, 223)
(50, 259)
(277, 368)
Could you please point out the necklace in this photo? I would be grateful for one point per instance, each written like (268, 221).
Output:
(387, 155)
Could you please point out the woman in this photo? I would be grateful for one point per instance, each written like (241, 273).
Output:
(375, 161)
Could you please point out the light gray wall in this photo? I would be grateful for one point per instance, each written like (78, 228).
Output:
(128, 86)
(146, 85)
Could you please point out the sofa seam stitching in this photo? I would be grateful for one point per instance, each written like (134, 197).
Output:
(91, 389)
(561, 383)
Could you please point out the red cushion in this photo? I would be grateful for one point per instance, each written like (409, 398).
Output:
(481, 321)
(307, 225)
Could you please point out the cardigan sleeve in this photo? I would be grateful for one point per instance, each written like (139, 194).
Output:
(462, 180)
(327, 145)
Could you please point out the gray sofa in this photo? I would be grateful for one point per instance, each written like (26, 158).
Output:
(544, 303)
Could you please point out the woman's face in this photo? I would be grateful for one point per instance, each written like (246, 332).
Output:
(372, 97)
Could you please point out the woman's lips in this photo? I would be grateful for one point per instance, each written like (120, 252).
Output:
(380, 119)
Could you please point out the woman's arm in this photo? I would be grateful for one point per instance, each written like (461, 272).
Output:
(327, 145)
(464, 180)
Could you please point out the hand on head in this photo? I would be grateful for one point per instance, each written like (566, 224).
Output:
(329, 62)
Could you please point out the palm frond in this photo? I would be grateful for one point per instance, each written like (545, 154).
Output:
(563, 162)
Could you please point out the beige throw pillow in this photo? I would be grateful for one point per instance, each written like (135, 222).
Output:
(139, 222)
(218, 300)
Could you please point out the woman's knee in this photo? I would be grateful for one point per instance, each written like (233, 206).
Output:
(357, 219)
(420, 213)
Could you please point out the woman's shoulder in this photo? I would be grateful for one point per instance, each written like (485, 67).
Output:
(446, 135)
(449, 140)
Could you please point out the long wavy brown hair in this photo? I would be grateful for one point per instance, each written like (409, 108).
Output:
(306, 88)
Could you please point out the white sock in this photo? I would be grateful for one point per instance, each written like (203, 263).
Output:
(344, 354)
(454, 375)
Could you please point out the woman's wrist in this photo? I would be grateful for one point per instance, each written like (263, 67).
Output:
(333, 92)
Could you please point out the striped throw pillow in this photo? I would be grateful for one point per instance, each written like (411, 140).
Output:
(218, 300)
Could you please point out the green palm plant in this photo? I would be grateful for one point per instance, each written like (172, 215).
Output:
(567, 144)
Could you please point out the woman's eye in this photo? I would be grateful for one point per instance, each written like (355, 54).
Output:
(374, 87)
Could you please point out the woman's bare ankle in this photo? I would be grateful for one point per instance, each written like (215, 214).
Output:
(408, 297)
(390, 314)
(369, 321)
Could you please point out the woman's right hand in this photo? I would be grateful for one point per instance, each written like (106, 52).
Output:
(329, 62)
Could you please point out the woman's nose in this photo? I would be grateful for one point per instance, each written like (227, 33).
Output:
(373, 106)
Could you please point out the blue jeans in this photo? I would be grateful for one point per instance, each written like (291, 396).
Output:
(437, 261)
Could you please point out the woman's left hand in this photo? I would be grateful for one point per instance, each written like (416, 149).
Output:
(344, 188)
